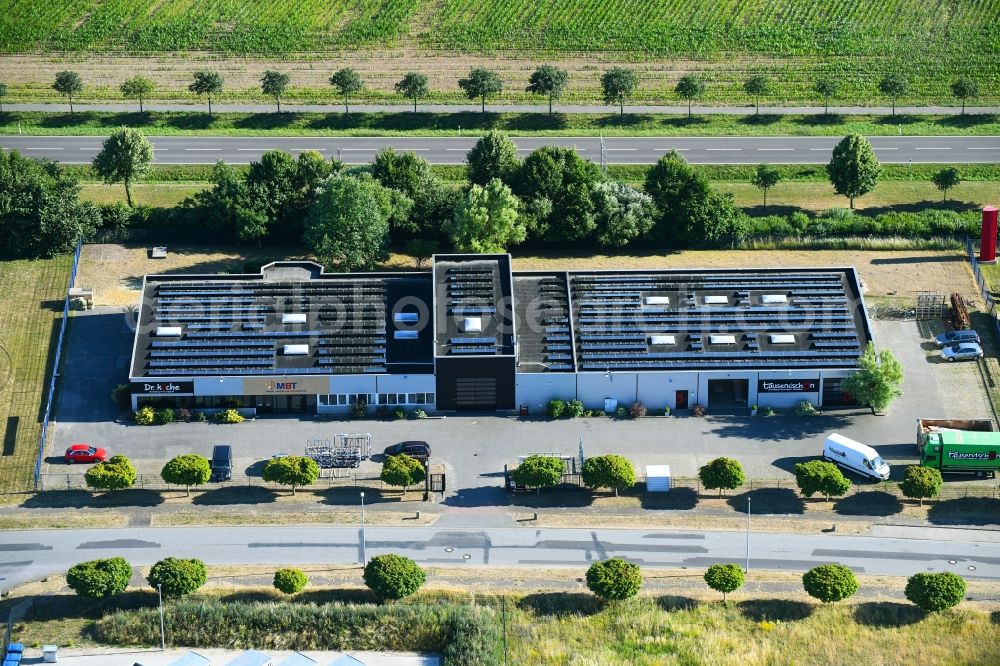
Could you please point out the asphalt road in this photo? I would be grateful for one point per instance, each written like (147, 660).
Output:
(444, 150)
(30, 555)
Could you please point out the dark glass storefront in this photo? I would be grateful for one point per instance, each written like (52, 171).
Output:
(264, 404)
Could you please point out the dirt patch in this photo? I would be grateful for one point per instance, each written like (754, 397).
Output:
(385, 518)
(707, 523)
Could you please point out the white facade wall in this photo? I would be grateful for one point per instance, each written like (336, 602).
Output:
(535, 389)
(352, 384)
(593, 388)
(403, 384)
(218, 386)
(659, 389)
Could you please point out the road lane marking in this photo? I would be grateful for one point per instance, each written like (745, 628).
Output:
(253, 149)
(824, 149)
(982, 148)
(205, 149)
(43, 148)
(929, 148)
(724, 149)
(631, 149)
(679, 150)
(773, 149)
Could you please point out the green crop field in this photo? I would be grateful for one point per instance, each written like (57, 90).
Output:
(31, 302)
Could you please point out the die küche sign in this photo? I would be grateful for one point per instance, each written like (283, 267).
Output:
(162, 388)
(787, 385)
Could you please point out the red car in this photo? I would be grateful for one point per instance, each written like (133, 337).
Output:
(85, 453)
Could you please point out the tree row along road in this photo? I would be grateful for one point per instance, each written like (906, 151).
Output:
(28, 555)
(617, 150)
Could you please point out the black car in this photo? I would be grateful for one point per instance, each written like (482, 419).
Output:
(419, 450)
(222, 462)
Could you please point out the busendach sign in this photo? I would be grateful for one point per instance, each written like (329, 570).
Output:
(162, 388)
(788, 386)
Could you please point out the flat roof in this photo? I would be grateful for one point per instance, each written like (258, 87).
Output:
(474, 305)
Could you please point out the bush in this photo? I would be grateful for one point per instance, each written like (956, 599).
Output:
(557, 408)
(399, 414)
(574, 409)
(145, 416)
(229, 416)
(121, 396)
(99, 579)
(164, 416)
(933, 592)
(402, 470)
(199, 417)
(358, 410)
(830, 583)
(818, 476)
(182, 414)
(177, 576)
(621, 412)
(291, 471)
(698, 410)
(187, 470)
(637, 410)
(805, 408)
(115, 473)
(615, 579)
(393, 576)
(769, 411)
(608, 471)
(921, 483)
(722, 474)
(725, 578)
(290, 581)
(419, 414)
(538, 472)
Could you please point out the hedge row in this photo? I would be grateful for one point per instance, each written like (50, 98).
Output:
(841, 223)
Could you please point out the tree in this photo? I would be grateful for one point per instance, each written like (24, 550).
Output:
(548, 80)
(273, 84)
(290, 581)
(964, 89)
(757, 86)
(830, 583)
(480, 84)
(177, 576)
(725, 578)
(618, 84)
(401, 171)
(819, 476)
(486, 220)
(615, 579)
(921, 483)
(826, 88)
(622, 213)
(41, 214)
(608, 471)
(115, 473)
(393, 576)
(3, 93)
(764, 178)
(722, 474)
(138, 87)
(493, 156)
(893, 86)
(208, 83)
(854, 170)
(558, 184)
(348, 225)
(347, 82)
(291, 471)
(402, 470)
(125, 157)
(933, 592)
(69, 84)
(690, 87)
(99, 579)
(413, 86)
(187, 470)
(945, 179)
(877, 380)
(538, 472)
(421, 249)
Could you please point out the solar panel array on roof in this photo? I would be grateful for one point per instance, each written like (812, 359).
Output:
(469, 292)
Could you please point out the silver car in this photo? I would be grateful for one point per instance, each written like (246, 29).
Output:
(963, 351)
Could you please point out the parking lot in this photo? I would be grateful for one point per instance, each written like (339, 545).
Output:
(474, 448)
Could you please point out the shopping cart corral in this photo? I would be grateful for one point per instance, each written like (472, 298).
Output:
(340, 450)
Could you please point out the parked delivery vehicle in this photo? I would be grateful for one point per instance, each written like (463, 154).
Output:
(222, 462)
(959, 446)
(855, 456)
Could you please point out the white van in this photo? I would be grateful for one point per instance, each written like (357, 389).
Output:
(855, 456)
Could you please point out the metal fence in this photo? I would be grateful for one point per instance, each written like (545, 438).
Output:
(948, 491)
(339, 478)
(55, 363)
(984, 288)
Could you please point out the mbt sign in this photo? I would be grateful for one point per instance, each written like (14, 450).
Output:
(788, 386)
(162, 388)
(286, 386)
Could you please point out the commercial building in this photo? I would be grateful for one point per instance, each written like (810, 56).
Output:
(471, 334)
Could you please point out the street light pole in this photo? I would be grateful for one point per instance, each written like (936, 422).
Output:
(364, 558)
(748, 536)
(163, 635)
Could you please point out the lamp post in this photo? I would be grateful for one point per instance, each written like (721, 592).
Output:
(163, 635)
(748, 536)
(364, 559)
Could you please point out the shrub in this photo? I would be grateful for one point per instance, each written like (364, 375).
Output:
(557, 408)
(621, 412)
(769, 411)
(182, 414)
(725, 578)
(933, 592)
(393, 576)
(818, 476)
(637, 410)
(145, 416)
(830, 583)
(187, 470)
(615, 579)
(402, 470)
(921, 483)
(538, 472)
(164, 416)
(99, 579)
(698, 410)
(419, 414)
(115, 473)
(399, 414)
(290, 581)
(229, 416)
(597, 413)
(177, 576)
(199, 417)
(121, 396)
(805, 408)
(574, 409)
(722, 474)
(291, 471)
(608, 471)
(358, 410)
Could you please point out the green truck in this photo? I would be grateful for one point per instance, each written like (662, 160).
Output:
(959, 446)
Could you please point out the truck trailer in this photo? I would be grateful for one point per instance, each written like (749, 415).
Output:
(968, 446)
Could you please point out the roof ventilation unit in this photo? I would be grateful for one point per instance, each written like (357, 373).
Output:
(722, 339)
(404, 335)
(662, 340)
(296, 350)
(783, 339)
(657, 300)
(473, 325)
(716, 300)
(168, 331)
(293, 318)
(772, 299)
(406, 317)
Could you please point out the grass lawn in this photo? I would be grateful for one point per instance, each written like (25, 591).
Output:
(31, 302)
(158, 195)
(465, 123)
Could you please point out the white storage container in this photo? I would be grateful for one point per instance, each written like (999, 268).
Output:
(657, 478)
